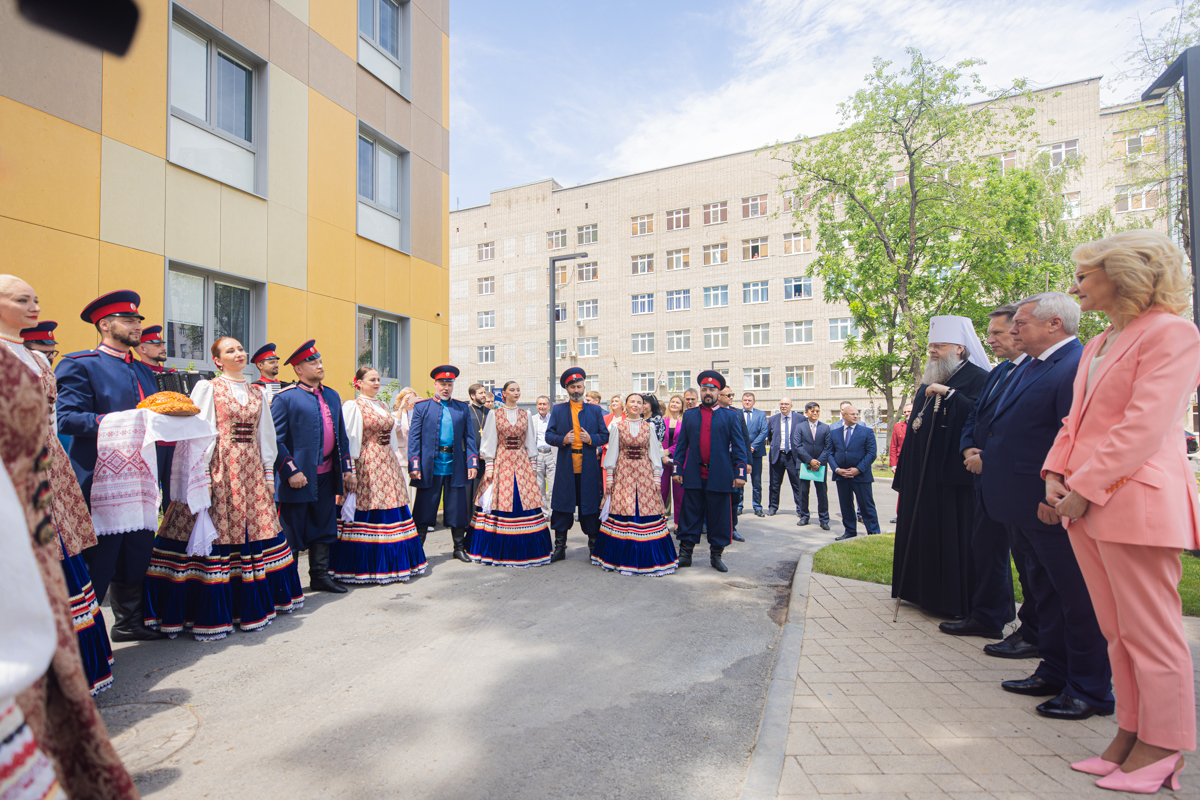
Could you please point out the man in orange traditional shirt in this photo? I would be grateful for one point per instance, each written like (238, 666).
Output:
(577, 429)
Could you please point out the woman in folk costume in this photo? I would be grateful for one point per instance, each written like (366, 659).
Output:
(634, 539)
(513, 531)
(402, 407)
(19, 312)
(380, 545)
(249, 573)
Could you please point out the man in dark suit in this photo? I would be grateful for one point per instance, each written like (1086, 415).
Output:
(1074, 671)
(725, 401)
(443, 460)
(811, 438)
(756, 424)
(710, 455)
(992, 600)
(850, 453)
(781, 439)
(577, 429)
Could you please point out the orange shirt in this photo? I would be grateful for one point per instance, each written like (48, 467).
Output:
(577, 447)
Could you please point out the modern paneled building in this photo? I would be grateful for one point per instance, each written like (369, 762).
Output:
(692, 267)
(275, 170)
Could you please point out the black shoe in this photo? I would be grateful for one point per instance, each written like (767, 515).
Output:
(970, 627)
(591, 545)
(1032, 686)
(560, 547)
(129, 624)
(714, 558)
(758, 512)
(1066, 707)
(802, 521)
(845, 536)
(737, 537)
(771, 512)
(318, 570)
(1012, 647)
(420, 538)
(893, 520)
(685, 553)
(824, 526)
(460, 545)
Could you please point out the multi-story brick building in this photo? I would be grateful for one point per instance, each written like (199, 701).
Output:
(692, 267)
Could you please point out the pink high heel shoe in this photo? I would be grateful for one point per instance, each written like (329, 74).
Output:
(1096, 766)
(1148, 779)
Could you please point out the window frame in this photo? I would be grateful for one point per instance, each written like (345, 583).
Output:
(587, 234)
(593, 343)
(641, 264)
(751, 288)
(721, 248)
(641, 387)
(845, 376)
(479, 318)
(793, 377)
(850, 327)
(674, 378)
(756, 378)
(754, 207)
(403, 190)
(721, 206)
(489, 281)
(756, 330)
(641, 225)
(720, 292)
(593, 269)
(400, 83)
(403, 347)
(256, 324)
(748, 246)
(790, 328)
(674, 296)
(490, 349)
(679, 215)
(683, 255)
(486, 247)
(682, 336)
(789, 244)
(552, 236)
(1128, 192)
(790, 284)
(646, 341)
(647, 303)
(721, 331)
(591, 305)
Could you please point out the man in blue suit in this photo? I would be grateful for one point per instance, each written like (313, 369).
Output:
(1074, 670)
(756, 424)
(811, 439)
(91, 384)
(577, 429)
(711, 456)
(314, 463)
(443, 460)
(850, 453)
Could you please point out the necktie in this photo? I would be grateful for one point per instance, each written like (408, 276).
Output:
(1002, 381)
(783, 445)
(1022, 379)
(849, 428)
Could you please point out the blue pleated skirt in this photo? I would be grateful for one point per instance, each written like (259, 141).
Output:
(635, 545)
(380, 546)
(516, 538)
(283, 579)
(94, 646)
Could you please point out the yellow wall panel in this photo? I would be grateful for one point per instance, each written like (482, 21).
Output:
(446, 83)
(337, 21)
(287, 180)
(193, 218)
(397, 282)
(62, 268)
(419, 331)
(332, 145)
(287, 320)
(370, 286)
(133, 187)
(135, 86)
(243, 234)
(331, 323)
(430, 292)
(330, 260)
(126, 268)
(49, 170)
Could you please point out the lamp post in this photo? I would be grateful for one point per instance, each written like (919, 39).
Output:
(554, 317)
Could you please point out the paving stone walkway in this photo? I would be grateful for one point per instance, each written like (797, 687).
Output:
(901, 710)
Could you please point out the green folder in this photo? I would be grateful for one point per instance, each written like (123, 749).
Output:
(807, 474)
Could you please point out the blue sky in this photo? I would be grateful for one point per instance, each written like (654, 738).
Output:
(582, 91)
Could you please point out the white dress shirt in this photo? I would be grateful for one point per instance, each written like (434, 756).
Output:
(785, 433)
(540, 423)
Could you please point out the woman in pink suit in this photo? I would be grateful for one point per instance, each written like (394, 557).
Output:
(1119, 477)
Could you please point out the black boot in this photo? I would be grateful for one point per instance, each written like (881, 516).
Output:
(591, 545)
(129, 624)
(421, 538)
(685, 553)
(560, 547)
(318, 570)
(714, 558)
(460, 545)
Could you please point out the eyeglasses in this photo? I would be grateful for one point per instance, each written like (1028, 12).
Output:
(1079, 276)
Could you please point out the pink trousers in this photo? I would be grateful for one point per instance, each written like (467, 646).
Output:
(1134, 590)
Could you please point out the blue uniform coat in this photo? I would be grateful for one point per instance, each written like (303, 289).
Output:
(423, 442)
(299, 433)
(591, 483)
(727, 451)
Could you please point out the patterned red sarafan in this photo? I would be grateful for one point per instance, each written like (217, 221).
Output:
(634, 488)
(380, 484)
(512, 461)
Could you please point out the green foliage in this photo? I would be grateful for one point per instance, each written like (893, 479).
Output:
(387, 391)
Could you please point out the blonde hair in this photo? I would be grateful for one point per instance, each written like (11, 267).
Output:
(1145, 266)
(398, 403)
(682, 406)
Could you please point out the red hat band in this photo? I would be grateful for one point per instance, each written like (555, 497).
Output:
(265, 356)
(444, 376)
(38, 336)
(710, 382)
(115, 308)
(303, 355)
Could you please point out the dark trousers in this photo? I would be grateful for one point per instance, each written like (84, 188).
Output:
(992, 601)
(849, 492)
(822, 499)
(1027, 613)
(702, 507)
(311, 523)
(118, 558)
(166, 454)
(1073, 650)
(784, 464)
(562, 521)
(456, 508)
(755, 485)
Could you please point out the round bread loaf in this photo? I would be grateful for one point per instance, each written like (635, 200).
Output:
(173, 404)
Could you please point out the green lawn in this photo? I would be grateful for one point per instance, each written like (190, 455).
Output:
(869, 558)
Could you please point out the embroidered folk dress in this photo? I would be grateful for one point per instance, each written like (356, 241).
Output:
(381, 544)
(514, 532)
(249, 574)
(75, 534)
(634, 539)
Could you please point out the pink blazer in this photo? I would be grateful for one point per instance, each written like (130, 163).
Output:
(1122, 444)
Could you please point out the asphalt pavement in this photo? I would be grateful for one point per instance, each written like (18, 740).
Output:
(477, 682)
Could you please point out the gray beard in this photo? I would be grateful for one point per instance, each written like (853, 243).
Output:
(938, 370)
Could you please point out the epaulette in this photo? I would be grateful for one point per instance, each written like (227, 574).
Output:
(82, 354)
(287, 388)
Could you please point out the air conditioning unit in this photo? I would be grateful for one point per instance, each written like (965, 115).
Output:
(578, 323)
(662, 381)
(573, 354)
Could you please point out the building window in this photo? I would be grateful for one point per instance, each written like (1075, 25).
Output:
(840, 378)
(679, 219)
(561, 271)
(679, 300)
(487, 285)
(487, 251)
(642, 343)
(592, 383)
(643, 304)
(1061, 152)
(841, 329)
(643, 264)
(379, 22)
(799, 377)
(754, 248)
(218, 105)
(756, 335)
(679, 341)
(587, 309)
(587, 234)
(560, 312)
(203, 307)
(381, 177)
(678, 259)
(679, 381)
(487, 354)
(715, 213)
(757, 377)
(490, 385)
(1136, 198)
(1007, 161)
(1071, 206)
(754, 206)
(587, 272)
(383, 30)
(486, 320)
(589, 347)
(716, 338)
(754, 292)
(556, 240)
(560, 348)
(716, 296)
(643, 382)
(794, 201)
(642, 225)
(798, 332)
(378, 344)
(794, 243)
(797, 288)
(716, 254)
(1132, 144)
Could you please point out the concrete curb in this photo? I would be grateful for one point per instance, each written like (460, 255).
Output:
(766, 762)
